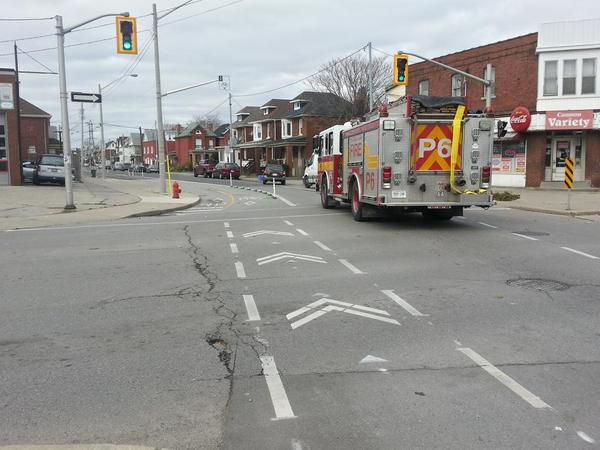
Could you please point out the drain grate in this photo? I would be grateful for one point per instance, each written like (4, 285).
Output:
(538, 284)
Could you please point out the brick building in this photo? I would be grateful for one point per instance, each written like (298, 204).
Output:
(10, 165)
(282, 130)
(150, 152)
(35, 126)
(193, 143)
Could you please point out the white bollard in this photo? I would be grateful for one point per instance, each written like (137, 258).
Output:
(230, 180)
(274, 193)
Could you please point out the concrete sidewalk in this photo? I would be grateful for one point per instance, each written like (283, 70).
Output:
(552, 201)
(95, 200)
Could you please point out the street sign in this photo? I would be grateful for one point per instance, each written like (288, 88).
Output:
(85, 97)
(568, 173)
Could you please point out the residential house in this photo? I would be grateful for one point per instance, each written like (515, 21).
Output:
(222, 143)
(282, 130)
(193, 143)
(151, 144)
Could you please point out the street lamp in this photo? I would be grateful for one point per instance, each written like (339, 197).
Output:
(102, 143)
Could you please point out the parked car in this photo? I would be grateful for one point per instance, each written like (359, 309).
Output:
(138, 168)
(204, 168)
(225, 169)
(28, 170)
(275, 171)
(153, 168)
(50, 168)
(118, 166)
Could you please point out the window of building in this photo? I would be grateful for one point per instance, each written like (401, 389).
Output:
(257, 131)
(550, 78)
(198, 132)
(198, 143)
(424, 87)
(569, 77)
(2, 136)
(509, 157)
(300, 127)
(297, 106)
(456, 85)
(492, 77)
(588, 76)
(211, 143)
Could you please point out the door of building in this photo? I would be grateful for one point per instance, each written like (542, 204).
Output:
(566, 147)
(3, 150)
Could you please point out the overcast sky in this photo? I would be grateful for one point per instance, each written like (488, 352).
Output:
(260, 44)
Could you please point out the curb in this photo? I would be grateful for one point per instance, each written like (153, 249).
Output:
(260, 191)
(158, 212)
(558, 212)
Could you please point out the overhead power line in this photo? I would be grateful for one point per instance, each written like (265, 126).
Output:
(304, 78)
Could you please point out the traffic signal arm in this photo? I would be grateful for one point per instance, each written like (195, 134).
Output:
(126, 35)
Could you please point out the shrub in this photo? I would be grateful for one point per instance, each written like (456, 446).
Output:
(506, 196)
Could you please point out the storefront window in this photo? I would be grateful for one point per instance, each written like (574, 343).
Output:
(2, 136)
(509, 157)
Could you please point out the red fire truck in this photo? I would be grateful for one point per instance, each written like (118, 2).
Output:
(419, 154)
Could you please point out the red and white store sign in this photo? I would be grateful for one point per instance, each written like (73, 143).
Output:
(569, 120)
(520, 119)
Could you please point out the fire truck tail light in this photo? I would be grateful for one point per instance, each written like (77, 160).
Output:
(486, 175)
(387, 176)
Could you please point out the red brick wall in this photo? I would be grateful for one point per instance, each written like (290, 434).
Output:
(12, 135)
(516, 65)
(536, 157)
(34, 132)
(592, 157)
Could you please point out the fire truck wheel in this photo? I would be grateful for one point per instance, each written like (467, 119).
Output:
(326, 201)
(355, 204)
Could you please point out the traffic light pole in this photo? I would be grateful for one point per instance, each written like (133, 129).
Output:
(159, 114)
(488, 83)
(102, 144)
(64, 107)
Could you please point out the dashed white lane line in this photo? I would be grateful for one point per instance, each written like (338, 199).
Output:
(503, 378)
(287, 222)
(487, 225)
(251, 308)
(526, 237)
(226, 224)
(230, 234)
(239, 269)
(234, 248)
(403, 303)
(586, 437)
(352, 268)
(302, 232)
(587, 255)
(323, 246)
(281, 404)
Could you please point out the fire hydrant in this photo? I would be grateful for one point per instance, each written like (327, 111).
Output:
(176, 190)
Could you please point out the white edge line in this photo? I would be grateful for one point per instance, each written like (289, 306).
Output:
(287, 202)
(251, 308)
(323, 246)
(503, 378)
(403, 303)
(526, 237)
(487, 225)
(352, 268)
(239, 269)
(587, 255)
(281, 404)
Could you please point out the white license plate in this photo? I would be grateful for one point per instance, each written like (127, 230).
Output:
(398, 194)
(53, 170)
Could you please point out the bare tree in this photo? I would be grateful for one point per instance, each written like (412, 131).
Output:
(349, 79)
(209, 121)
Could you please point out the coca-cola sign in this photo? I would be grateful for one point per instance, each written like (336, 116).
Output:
(520, 119)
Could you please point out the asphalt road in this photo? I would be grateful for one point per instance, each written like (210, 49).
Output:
(249, 322)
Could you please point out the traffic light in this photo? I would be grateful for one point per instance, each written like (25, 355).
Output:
(502, 128)
(400, 69)
(127, 35)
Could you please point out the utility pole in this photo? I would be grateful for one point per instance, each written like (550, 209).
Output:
(159, 114)
(91, 146)
(232, 140)
(370, 75)
(141, 146)
(18, 105)
(64, 107)
(81, 153)
(102, 143)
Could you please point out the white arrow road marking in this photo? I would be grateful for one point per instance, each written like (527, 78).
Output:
(249, 203)
(251, 308)
(336, 305)
(372, 359)
(281, 404)
(283, 255)
(261, 232)
(503, 378)
(403, 303)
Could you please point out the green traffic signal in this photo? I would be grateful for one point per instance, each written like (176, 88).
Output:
(127, 45)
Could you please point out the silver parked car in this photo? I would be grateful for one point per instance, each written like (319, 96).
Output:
(28, 170)
(50, 168)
